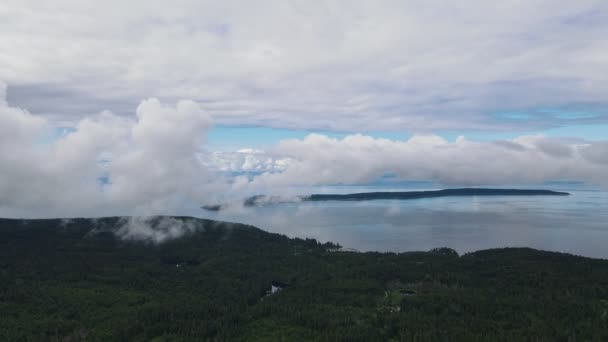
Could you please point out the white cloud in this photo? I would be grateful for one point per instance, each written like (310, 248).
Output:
(321, 160)
(156, 163)
(351, 65)
(155, 229)
(108, 165)
(246, 160)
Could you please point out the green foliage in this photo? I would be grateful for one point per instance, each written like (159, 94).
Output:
(72, 281)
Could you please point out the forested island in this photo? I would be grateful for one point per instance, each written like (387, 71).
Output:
(389, 195)
(109, 279)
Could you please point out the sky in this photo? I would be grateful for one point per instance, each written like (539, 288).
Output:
(146, 106)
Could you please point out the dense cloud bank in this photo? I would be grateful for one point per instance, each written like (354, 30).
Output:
(156, 162)
(319, 160)
(352, 65)
(107, 165)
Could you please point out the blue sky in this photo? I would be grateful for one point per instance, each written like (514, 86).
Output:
(574, 121)
(231, 138)
(226, 138)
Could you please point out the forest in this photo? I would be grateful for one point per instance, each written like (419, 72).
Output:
(82, 280)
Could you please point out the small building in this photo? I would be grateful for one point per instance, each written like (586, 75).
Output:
(275, 287)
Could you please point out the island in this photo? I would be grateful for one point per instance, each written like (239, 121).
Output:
(259, 200)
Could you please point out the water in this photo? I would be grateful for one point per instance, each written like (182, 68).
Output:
(576, 224)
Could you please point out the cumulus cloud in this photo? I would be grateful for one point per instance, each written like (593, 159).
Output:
(355, 159)
(107, 165)
(246, 160)
(420, 66)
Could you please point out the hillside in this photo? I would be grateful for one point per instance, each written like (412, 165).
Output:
(71, 280)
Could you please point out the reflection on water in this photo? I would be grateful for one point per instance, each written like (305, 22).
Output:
(575, 224)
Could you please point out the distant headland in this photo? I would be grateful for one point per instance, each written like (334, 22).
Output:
(260, 200)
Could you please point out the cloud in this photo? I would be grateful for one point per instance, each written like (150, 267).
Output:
(554, 148)
(156, 163)
(596, 153)
(108, 165)
(420, 66)
(155, 229)
(356, 159)
(246, 160)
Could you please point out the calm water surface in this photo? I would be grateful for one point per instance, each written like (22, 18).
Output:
(575, 224)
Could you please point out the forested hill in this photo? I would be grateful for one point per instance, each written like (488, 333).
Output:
(391, 195)
(112, 279)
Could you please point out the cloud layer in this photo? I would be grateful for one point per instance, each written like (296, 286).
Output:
(357, 159)
(156, 163)
(420, 66)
